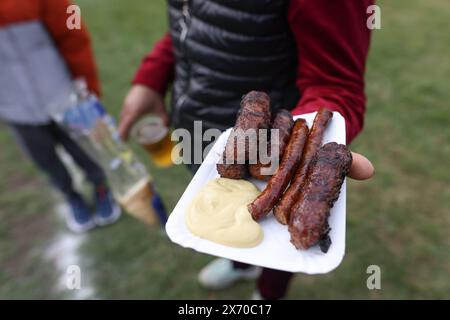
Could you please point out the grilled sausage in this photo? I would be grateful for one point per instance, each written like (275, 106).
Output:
(283, 122)
(308, 224)
(254, 114)
(266, 200)
(283, 208)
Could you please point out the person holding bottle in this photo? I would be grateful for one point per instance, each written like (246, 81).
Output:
(39, 58)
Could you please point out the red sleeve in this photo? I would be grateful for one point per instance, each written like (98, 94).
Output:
(158, 67)
(74, 45)
(332, 42)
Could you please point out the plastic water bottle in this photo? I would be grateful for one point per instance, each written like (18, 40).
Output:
(82, 115)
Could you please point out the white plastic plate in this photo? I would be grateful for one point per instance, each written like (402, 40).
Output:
(275, 251)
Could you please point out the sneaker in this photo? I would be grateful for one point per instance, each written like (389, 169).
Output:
(220, 274)
(107, 210)
(79, 218)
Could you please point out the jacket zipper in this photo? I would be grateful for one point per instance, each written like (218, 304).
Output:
(184, 21)
(184, 24)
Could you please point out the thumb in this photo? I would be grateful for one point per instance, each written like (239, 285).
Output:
(361, 168)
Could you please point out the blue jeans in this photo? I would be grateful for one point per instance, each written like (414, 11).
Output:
(39, 141)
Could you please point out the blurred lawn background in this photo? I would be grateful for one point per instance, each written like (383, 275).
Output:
(400, 220)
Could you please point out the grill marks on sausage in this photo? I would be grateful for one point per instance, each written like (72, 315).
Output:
(313, 143)
(254, 114)
(282, 122)
(264, 203)
(308, 223)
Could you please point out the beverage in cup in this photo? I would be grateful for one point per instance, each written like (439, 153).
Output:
(154, 137)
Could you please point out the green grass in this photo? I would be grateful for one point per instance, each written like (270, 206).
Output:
(399, 220)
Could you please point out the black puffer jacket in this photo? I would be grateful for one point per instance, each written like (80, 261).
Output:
(225, 48)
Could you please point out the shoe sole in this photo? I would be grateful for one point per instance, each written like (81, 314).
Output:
(101, 222)
(79, 228)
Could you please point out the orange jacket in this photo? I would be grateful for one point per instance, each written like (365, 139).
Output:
(74, 45)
